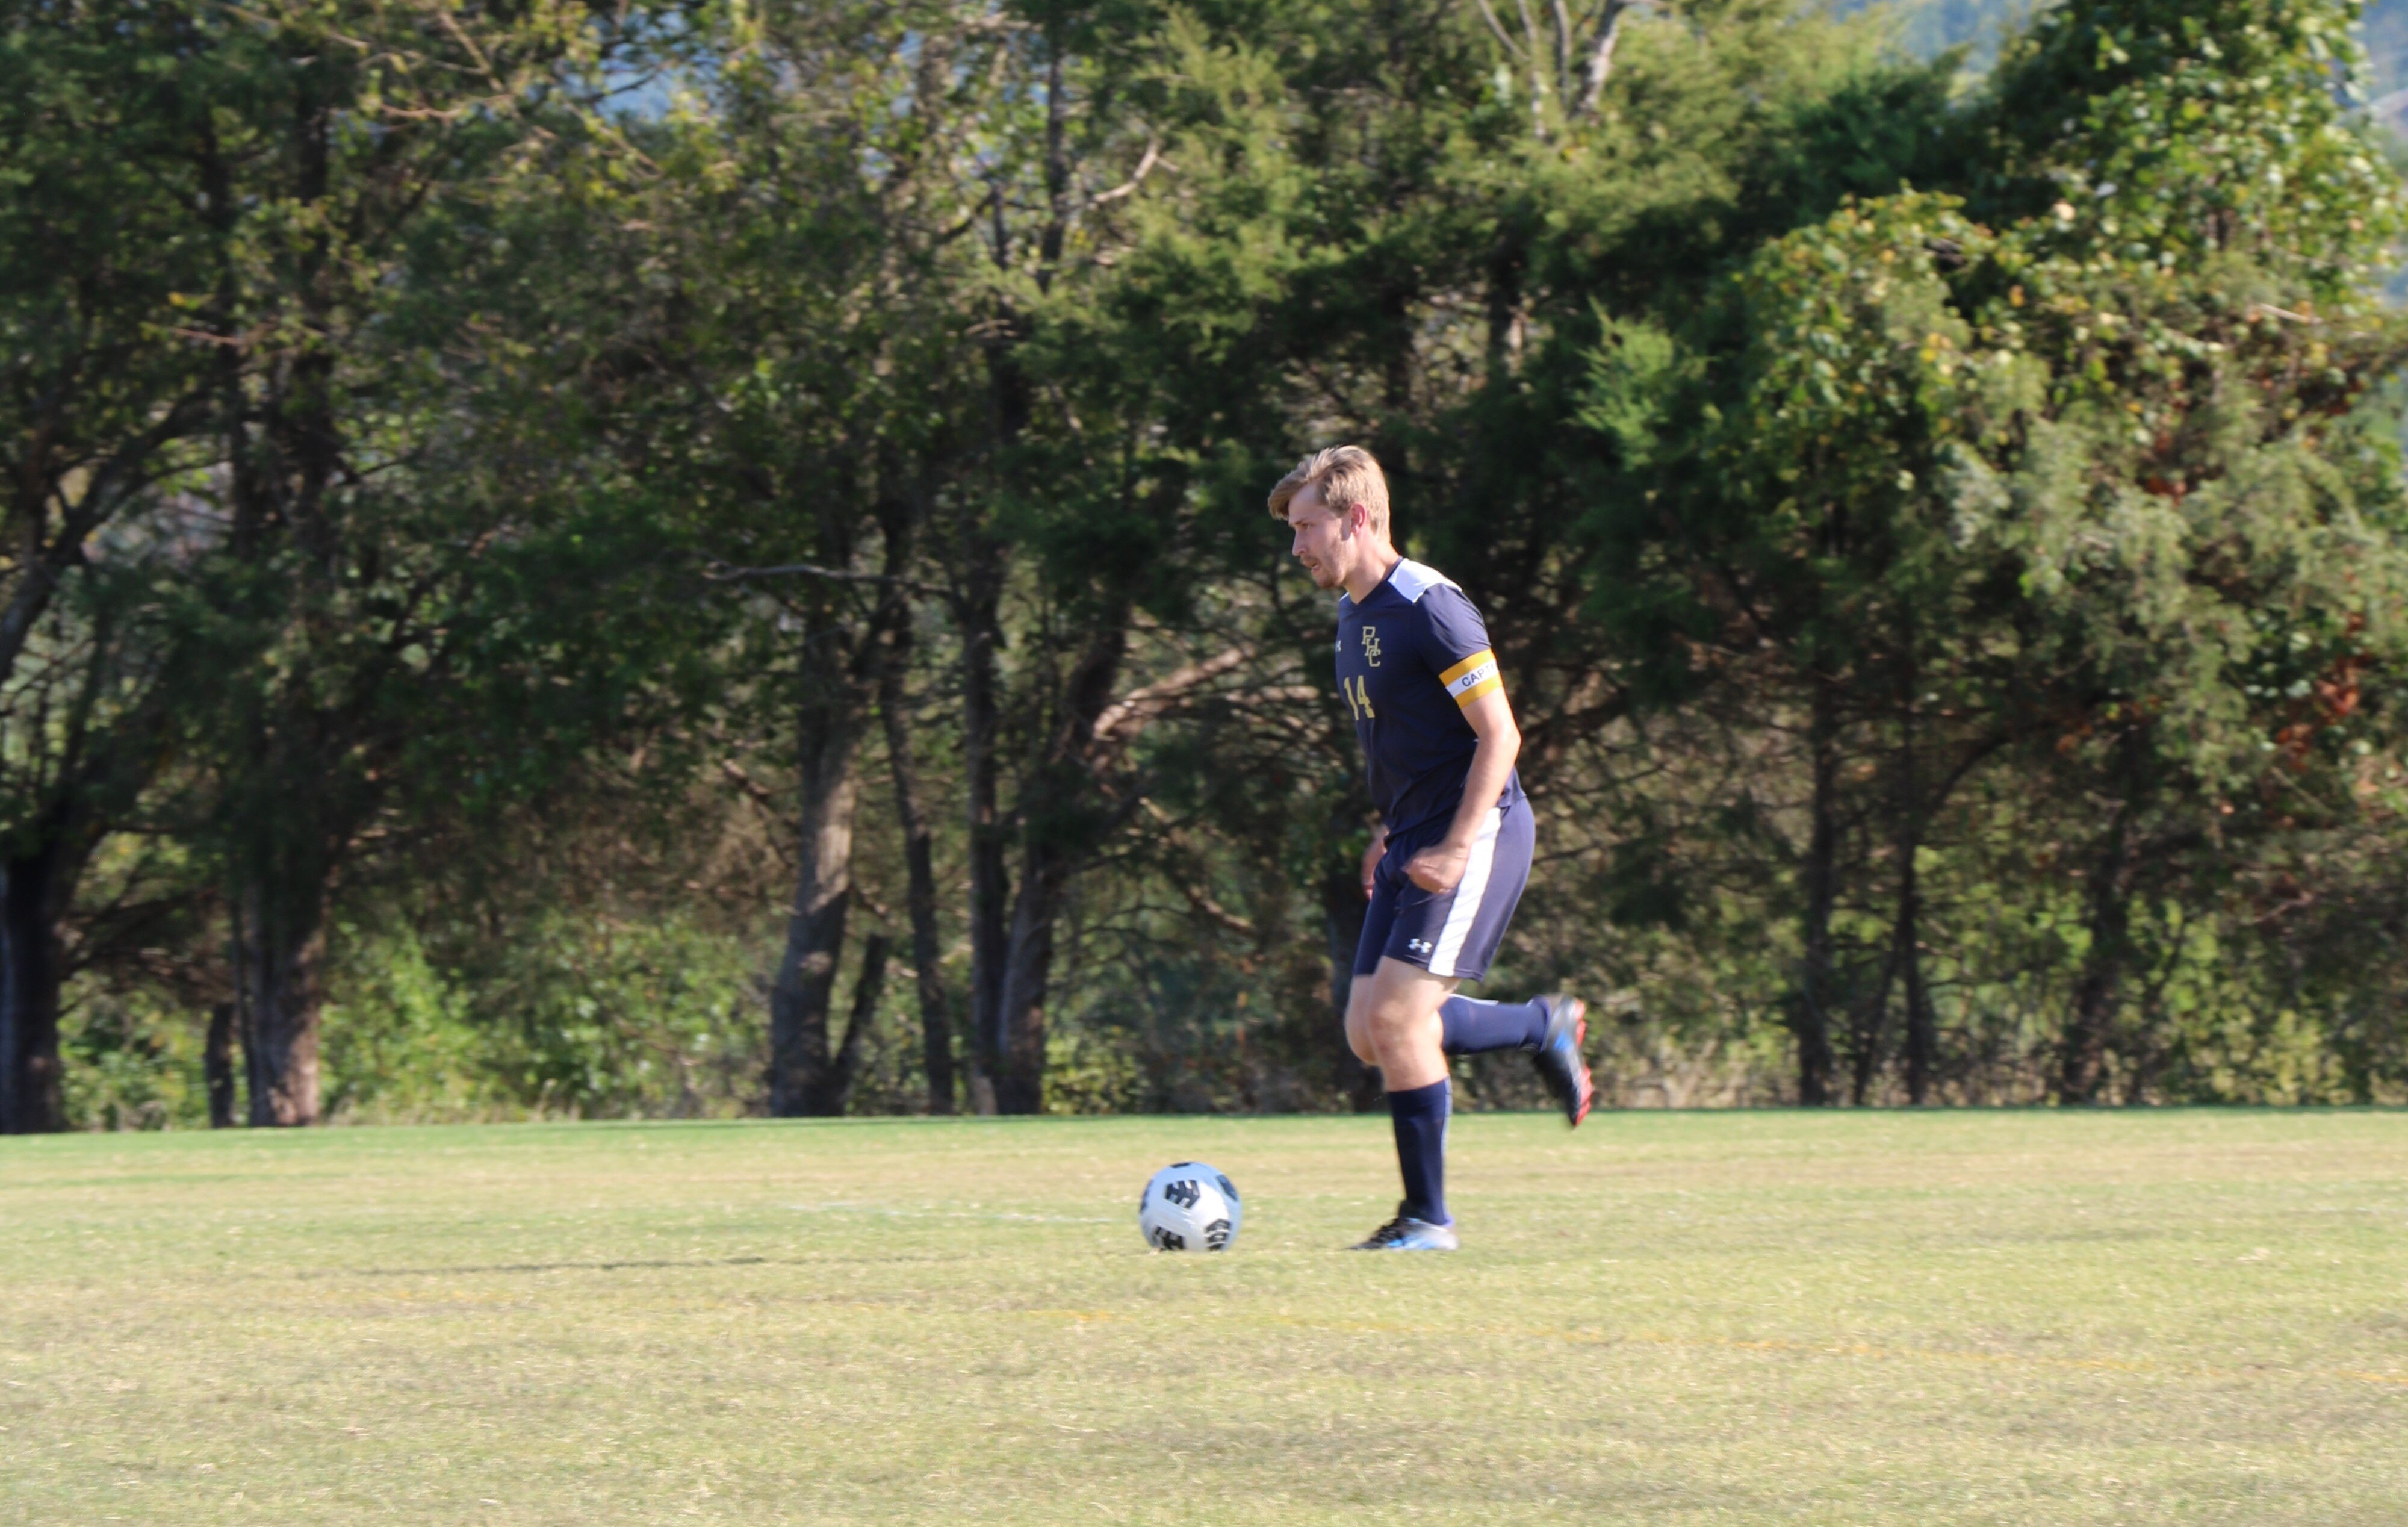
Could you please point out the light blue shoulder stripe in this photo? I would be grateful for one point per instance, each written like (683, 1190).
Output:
(1412, 580)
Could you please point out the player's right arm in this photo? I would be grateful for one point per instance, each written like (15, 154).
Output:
(1454, 640)
(1379, 845)
(1440, 866)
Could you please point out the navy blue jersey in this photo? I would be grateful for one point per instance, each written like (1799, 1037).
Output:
(1410, 657)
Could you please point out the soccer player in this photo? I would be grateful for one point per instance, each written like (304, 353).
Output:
(1452, 853)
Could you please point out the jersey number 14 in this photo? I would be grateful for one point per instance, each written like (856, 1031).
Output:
(1358, 697)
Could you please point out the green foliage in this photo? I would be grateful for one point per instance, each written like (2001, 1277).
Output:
(2096, 491)
(134, 1061)
(2190, 132)
(582, 1017)
(402, 1042)
(1944, 536)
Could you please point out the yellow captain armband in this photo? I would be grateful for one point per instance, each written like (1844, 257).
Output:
(1475, 676)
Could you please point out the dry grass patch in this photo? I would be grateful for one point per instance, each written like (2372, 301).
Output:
(1707, 1318)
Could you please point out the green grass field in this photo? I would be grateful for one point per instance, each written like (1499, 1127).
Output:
(1665, 1318)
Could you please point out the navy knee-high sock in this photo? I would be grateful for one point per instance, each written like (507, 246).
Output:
(1419, 1114)
(1472, 1026)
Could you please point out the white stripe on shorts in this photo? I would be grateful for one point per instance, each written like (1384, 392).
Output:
(1468, 892)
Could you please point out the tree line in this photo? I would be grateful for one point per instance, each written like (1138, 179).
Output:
(691, 557)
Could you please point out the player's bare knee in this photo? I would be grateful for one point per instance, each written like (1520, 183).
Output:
(1359, 1039)
(1399, 1022)
(1358, 1021)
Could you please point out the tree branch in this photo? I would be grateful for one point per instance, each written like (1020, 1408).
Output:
(1563, 49)
(1499, 27)
(1122, 720)
(1600, 58)
(1144, 168)
(724, 573)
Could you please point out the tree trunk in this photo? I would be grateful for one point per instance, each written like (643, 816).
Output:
(1922, 1033)
(834, 1085)
(1867, 1026)
(217, 1065)
(295, 828)
(1505, 319)
(990, 880)
(799, 1060)
(1599, 67)
(979, 598)
(918, 858)
(280, 970)
(1058, 831)
(95, 777)
(289, 846)
(312, 443)
(1811, 1005)
(1020, 1074)
(1906, 958)
(2082, 1059)
(33, 889)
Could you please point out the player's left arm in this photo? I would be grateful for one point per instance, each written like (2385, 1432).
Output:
(1440, 866)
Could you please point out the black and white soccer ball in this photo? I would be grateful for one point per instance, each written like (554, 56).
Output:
(1188, 1206)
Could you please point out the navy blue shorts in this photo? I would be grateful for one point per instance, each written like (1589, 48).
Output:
(1453, 932)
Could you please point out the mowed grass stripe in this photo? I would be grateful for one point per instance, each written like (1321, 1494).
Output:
(2033, 1317)
(1850, 1350)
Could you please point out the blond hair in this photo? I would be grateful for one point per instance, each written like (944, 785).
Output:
(1345, 474)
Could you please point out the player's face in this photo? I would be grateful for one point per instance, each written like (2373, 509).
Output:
(1321, 543)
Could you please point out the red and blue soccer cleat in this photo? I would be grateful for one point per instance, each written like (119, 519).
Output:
(1560, 1063)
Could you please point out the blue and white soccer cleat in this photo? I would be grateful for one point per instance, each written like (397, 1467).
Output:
(1560, 1063)
(1405, 1233)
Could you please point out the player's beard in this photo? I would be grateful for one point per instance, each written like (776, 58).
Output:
(1322, 578)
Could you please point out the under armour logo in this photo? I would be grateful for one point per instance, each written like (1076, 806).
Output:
(1420, 947)
(1371, 645)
